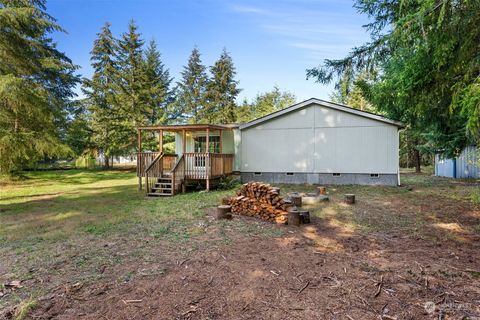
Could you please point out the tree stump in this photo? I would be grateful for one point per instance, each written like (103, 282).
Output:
(294, 218)
(321, 190)
(350, 198)
(304, 216)
(296, 200)
(224, 212)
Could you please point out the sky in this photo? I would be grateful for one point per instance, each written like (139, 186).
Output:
(272, 42)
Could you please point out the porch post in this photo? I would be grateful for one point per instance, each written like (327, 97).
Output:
(139, 159)
(160, 141)
(184, 141)
(220, 133)
(207, 138)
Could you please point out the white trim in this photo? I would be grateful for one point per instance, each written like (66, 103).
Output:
(322, 103)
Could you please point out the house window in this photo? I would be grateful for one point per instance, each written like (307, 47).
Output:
(200, 144)
(374, 175)
(289, 173)
(257, 173)
(336, 174)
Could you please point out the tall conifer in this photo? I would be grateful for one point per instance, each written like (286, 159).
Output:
(101, 91)
(222, 90)
(191, 88)
(36, 82)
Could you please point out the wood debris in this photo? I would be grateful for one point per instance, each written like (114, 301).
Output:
(261, 200)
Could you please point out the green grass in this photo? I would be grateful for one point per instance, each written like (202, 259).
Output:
(76, 221)
(67, 225)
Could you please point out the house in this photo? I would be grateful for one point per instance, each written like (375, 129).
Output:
(314, 142)
(465, 166)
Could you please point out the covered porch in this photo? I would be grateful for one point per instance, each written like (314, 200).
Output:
(202, 154)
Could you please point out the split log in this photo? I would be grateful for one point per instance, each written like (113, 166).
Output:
(321, 190)
(226, 200)
(260, 200)
(350, 198)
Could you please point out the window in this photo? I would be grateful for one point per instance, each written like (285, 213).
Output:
(289, 173)
(200, 144)
(336, 174)
(374, 175)
(257, 173)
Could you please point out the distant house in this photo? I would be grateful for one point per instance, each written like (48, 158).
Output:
(314, 142)
(464, 166)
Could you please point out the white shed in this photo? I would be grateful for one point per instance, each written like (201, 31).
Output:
(320, 142)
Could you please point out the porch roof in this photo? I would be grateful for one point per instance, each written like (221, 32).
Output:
(181, 127)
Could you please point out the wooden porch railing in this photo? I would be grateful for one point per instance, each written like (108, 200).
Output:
(153, 172)
(205, 165)
(144, 159)
(220, 164)
(169, 161)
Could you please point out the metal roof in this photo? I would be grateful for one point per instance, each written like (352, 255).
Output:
(322, 103)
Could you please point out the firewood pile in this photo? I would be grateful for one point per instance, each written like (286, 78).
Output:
(261, 200)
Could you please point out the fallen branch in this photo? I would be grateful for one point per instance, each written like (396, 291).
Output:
(304, 287)
(379, 287)
(132, 301)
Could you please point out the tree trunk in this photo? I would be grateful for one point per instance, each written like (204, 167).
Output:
(417, 159)
(107, 162)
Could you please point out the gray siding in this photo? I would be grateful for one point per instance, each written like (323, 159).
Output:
(317, 139)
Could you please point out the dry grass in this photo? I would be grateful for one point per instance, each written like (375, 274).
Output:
(68, 226)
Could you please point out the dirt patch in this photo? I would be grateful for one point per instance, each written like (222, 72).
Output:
(291, 277)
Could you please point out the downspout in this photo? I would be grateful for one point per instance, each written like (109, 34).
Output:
(398, 157)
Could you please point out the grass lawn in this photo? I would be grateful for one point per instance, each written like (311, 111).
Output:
(77, 237)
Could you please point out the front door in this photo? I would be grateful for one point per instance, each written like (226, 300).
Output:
(200, 147)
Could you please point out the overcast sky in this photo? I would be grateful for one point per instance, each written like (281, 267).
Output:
(272, 42)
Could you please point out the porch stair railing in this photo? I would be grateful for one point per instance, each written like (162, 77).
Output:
(153, 173)
(178, 175)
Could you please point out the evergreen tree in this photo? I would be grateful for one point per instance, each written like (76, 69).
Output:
(222, 90)
(265, 103)
(191, 88)
(158, 92)
(133, 85)
(79, 135)
(36, 82)
(159, 96)
(106, 117)
(426, 55)
(351, 94)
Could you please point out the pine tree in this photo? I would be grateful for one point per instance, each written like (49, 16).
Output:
(101, 91)
(36, 82)
(159, 96)
(158, 92)
(426, 55)
(132, 84)
(221, 92)
(265, 103)
(191, 88)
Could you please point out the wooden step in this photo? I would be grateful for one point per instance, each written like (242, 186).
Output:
(162, 189)
(157, 194)
(163, 184)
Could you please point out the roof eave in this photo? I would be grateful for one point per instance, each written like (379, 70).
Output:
(327, 104)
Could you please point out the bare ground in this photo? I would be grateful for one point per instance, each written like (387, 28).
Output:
(417, 258)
